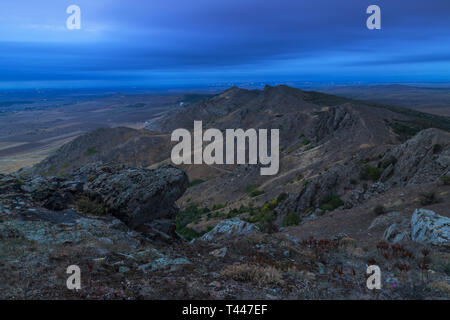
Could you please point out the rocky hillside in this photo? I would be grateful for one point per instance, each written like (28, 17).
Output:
(116, 223)
(335, 152)
(359, 184)
(110, 145)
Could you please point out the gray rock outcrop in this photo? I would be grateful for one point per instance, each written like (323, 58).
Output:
(138, 196)
(230, 228)
(423, 158)
(143, 199)
(429, 227)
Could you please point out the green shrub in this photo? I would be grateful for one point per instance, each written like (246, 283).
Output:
(353, 181)
(218, 206)
(370, 173)
(291, 219)
(262, 216)
(189, 234)
(90, 151)
(268, 226)
(446, 180)
(265, 213)
(196, 182)
(281, 197)
(270, 205)
(256, 193)
(305, 142)
(250, 187)
(191, 214)
(331, 202)
(86, 205)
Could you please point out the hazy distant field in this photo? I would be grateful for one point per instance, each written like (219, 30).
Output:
(34, 124)
(30, 128)
(426, 99)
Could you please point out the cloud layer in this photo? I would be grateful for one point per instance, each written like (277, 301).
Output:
(197, 42)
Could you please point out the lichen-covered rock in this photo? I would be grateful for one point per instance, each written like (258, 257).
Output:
(421, 159)
(357, 196)
(83, 230)
(384, 220)
(143, 199)
(397, 232)
(230, 228)
(313, 193)
(429, 227)
(138, 196)
(164, 263)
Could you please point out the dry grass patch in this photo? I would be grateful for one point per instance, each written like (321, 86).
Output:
(256, 274)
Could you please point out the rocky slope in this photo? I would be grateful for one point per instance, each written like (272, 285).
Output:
(143, 199)
(358, 185)
(334, 152)
(235, 260)
(111, 145)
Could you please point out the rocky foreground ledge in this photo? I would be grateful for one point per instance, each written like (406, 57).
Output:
(143, 199)
(116, 224)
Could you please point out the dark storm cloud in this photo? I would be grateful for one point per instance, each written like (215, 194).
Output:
(132, 40)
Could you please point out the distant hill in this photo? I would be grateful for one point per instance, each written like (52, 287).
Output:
(329, 146)
(359, 183)
(433, 100)
(109, 145)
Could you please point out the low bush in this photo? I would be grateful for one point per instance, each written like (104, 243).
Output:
(281, 197)
(291, 219)
(370, 173)
(256, 193)
(259, 275)
(196, 182)
(445, 180)
(90, 151)
(331, 202)
(191, 214)
(86, 205)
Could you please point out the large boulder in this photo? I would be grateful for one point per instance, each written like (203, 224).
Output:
(429, 227)
(139, 196)
(143, 199)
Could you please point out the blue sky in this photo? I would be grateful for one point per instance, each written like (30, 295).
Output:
(194, 43)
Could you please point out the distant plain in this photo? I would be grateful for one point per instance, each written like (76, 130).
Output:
(35, 124)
